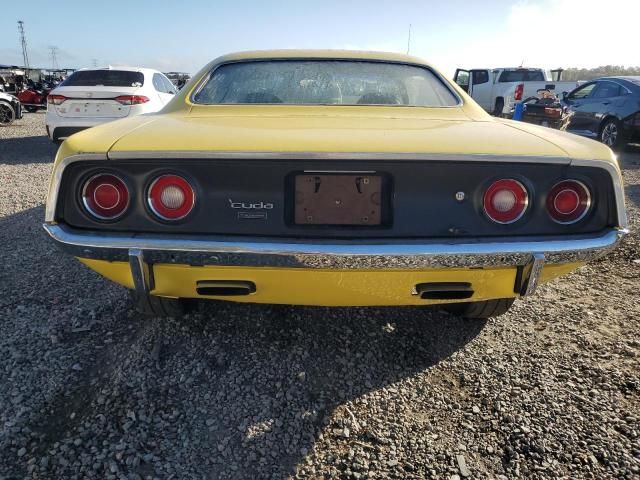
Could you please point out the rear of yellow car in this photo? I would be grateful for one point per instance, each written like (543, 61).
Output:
(363, 179)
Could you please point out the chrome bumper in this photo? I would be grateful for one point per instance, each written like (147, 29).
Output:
(143, 251)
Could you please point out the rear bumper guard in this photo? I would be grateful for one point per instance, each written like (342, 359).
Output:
(142, 252)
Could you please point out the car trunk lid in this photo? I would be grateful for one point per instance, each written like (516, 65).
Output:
(333, 129)
(93, 102)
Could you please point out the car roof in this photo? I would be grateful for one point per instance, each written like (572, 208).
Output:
(633, 79)
(320, 54)
(126, 68)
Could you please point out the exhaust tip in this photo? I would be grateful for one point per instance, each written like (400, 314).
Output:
(443, 290)
(225, 288)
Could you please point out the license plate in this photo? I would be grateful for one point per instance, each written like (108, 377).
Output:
(336, 199)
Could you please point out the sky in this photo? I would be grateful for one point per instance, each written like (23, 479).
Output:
(185, 35)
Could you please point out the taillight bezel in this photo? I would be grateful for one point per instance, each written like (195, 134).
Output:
(160, 213)
(97, 214)
(588, 201)
(525, 207)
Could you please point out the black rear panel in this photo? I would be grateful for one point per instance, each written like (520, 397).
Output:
(255, 197)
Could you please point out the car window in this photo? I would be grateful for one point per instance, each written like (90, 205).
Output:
(168, 86)
(480, 76)
(521, 76)
(104, 78)
(582, 92)
(325, 82)
(606, 90)
(158, 84)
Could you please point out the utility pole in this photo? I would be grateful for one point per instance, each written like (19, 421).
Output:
(23, 42)
(409, 40)
(94, 62)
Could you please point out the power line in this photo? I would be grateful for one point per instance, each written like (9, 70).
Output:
(23, 42)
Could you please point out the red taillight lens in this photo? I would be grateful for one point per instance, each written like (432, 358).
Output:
(505, 201)
(553, 112)
(132, 99)
(568, 201)
(105, 196)
(517, 95)
(56, 99)
(171, 197)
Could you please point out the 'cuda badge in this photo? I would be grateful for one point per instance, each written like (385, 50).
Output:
(250, 206)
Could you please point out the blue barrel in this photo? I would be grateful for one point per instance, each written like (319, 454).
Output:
(519, 111)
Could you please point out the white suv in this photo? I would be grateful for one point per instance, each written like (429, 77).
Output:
(90, 97)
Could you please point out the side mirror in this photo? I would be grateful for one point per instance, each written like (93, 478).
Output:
(564, 95)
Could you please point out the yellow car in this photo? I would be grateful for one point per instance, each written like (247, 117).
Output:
(331, 178)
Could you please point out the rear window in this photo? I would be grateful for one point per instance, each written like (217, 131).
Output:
(104, 78)
(325, 82)
(521, 76)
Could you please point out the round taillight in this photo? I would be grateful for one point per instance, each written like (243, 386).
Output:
(105, 196)
(505, 201)
(568, 201)
(171, 197)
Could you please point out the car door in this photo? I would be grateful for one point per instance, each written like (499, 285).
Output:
(462, 78)
(579, 105)
(609, 99)
(481, 89)
(476, 83)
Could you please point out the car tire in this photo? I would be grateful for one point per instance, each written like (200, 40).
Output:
(30, 109)
(611, 133)
(7, 114)
(497, 112)
(480, 310)
(158, 306)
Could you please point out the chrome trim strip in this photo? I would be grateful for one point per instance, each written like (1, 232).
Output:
(374, 156)
(225, 251)
(616, 178)
(534, 270)
(56, 178)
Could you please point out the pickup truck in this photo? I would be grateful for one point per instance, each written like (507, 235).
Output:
(497, 90)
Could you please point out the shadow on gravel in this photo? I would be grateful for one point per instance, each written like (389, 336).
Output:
(630, 158)
(231, 391)
(633, 193)
(25, 150)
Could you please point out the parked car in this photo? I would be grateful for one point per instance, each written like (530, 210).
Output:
(34, 96)
(607, 109)
(332, 178)
(89, 97)
(10, 109)
(497, 90)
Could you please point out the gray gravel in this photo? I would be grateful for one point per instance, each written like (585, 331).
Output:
(88, 389)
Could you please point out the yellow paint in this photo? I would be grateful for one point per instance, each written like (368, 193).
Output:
(324, 286)
(467, 129)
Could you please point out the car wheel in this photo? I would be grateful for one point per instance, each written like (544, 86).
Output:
(31, 109)
(158, 306)
(7, 114)
(499, 107)
(480, 310)
(611, 133)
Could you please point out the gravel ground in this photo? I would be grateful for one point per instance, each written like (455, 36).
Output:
(88, 389)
